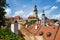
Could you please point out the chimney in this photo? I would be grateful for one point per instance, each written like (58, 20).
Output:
(43, 19)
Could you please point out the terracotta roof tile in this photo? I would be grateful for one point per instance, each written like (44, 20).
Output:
(45, 29)
(49, 20)
(17, 16)
(31, 17)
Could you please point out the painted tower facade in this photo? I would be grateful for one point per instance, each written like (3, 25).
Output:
(43, 19)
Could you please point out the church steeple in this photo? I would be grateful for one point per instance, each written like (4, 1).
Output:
(35, 11)
(35, 8)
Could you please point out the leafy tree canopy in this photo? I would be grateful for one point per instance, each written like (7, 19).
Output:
(55, 20)
(30, 22)
(3, 4)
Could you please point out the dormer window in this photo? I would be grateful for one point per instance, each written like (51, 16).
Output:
(48, 34)
(41, 33)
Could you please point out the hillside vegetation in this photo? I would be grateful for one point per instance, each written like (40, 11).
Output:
(5, 34)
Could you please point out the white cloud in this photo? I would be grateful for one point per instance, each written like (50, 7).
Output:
(8, 11)
(54, 7)
(40, 15)
(31, 13)
(56, 16)
(22, 14)
(51, 9)
(19, 13)
(57, 0)
(47, 12)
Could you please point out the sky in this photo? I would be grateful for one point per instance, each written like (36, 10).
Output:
(24, 8)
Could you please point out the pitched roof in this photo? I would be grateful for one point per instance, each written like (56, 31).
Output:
(17, 17)
(31, 17)
(49, 20)
(46, 30)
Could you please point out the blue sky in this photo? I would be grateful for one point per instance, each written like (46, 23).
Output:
(24, 8)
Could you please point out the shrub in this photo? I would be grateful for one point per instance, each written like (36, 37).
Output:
(5, 34)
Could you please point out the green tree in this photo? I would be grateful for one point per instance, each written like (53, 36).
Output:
(55, 20)
(5, 34)
(3, 4)
(30, 22)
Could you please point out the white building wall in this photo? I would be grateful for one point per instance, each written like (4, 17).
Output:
(19, 26)
(12, 28)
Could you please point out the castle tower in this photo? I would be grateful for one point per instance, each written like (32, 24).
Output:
(43, 19)
(35, 12)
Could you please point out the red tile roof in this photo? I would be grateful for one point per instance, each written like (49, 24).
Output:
(45, 29)
(8, 17)
(31, 17)
(49, 20)
(17, 17)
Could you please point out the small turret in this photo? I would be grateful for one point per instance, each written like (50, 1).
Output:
(43, 19)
